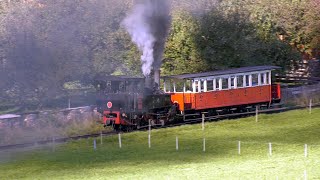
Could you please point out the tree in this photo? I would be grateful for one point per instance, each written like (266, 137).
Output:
(49, 43)
(181, 55)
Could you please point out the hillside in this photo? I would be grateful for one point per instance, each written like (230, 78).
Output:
(287, 132)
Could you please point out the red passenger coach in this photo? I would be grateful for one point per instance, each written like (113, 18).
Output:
(234, 89)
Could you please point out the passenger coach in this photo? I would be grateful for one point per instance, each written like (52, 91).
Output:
(228, 90)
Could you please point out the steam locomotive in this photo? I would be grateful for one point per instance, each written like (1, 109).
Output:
(127, 103)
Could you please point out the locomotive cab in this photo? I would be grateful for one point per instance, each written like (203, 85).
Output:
(118, 99)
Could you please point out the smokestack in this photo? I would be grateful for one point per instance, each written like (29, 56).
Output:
(149, 82)
(157, 77)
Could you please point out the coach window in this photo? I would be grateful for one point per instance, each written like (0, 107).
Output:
(210, 85)
(122, 87)
(204, 85)
(187, 86)
(225, 83)
(233, 82)
(199, 85)
(260, 79)
(255, 80)
(264, 78)
(248, 80)
(219, 84)
(215, 84)
(269, 77)
(240, 81)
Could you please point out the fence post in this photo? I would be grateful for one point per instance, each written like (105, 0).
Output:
(177, 143)
(270, 149)
(204, 144)
(305, 150)
(310, 106)
(101, 138)
(239, 147)
(203, 116)
(149, 140)
(305, 175)
(53, 144)
(120, 144)
(256, 113)
(94, 144)
(149, 135)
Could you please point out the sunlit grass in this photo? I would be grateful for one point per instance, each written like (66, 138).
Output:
(288, 132)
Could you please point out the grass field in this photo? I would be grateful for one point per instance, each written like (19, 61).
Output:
(288, 132)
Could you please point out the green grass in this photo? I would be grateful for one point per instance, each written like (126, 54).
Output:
(288, 132)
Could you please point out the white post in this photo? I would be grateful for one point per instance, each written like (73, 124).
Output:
(149, 135)
(149, 140)
(53, 144)
(94, 144)
(120, 144)
(101, 138)
(305, 175)
(310, 106)
(270, 149)
(257, 113)
(305, 150)
(204, 144)
(203, 121)
(239, 147)
(177, 143)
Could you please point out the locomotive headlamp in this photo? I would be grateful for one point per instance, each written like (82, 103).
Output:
(109, 105)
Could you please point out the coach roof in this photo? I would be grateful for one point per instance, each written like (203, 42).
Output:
(223, 72)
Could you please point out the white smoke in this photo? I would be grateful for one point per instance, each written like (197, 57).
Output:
(148, 25)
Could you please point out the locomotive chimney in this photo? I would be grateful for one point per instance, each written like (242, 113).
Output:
(157, 78)
(149, 82)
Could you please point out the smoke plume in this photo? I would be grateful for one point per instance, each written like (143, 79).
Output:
(148, 25)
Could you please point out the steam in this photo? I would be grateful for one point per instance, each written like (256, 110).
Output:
(148, 25)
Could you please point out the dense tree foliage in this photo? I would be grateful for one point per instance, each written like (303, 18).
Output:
(44, 44)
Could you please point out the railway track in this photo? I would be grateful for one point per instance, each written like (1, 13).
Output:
(53, 140)
(189, 121)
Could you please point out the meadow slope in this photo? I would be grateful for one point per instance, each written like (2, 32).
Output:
(288, 132)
